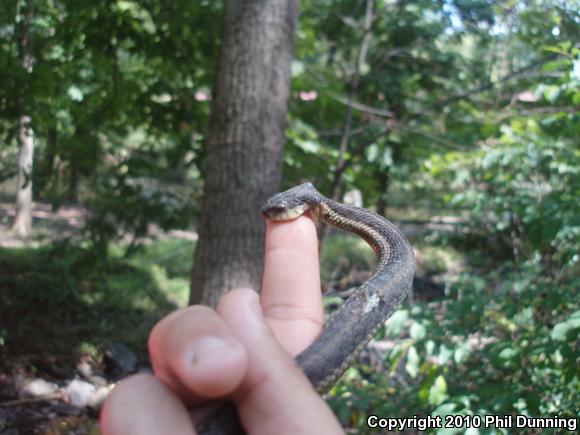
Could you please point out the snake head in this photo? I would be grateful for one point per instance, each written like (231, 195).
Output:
(292, 203)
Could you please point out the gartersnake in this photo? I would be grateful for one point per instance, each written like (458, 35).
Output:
(353, 325)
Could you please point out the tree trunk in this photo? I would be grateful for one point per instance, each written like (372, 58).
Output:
(23, 220)
(244, 147)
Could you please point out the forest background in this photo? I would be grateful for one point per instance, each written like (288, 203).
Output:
(456, 119)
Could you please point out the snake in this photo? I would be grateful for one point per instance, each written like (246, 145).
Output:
(348, 330)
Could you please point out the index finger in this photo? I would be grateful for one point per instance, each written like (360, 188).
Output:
(291, 295)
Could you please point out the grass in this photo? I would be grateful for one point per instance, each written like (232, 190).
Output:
(61, 300)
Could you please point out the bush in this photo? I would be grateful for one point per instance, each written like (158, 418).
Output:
(506, 343)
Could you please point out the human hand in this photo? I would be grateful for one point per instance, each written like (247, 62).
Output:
(241, 350)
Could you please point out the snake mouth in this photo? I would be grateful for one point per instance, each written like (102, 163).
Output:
(273, 211)
(281, 213)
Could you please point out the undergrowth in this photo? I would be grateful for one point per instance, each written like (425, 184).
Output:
(48, 290)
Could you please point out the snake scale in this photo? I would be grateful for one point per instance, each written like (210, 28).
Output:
(353, 325)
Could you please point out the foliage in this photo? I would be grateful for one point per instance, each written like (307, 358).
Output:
(522, 189)
(522, 185)
(412, 67)
(112, 97)
(516, 328)
(511, 317)
(64, 287)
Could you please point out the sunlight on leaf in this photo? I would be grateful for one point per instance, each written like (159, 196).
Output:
(413, 362)
(438, 391)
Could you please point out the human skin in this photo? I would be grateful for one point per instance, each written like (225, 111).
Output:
(242, 350)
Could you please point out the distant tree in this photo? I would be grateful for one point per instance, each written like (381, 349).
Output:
(244, 147)
(23, 220)
(109, 98)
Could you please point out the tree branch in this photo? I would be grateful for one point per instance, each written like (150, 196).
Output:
(349, 102)
(490, 85)
(344, 139)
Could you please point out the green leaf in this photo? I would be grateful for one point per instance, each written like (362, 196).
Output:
(430, 347)
(75, 93)
(561, 330)
(438, 391)
(397, 322)
(461, 353)
(413, 362)
(575, 74)
(308, 146)
(551, 66)
(417, 331)
(444, 409)
(508, 354)
(444, 355)
(551, 93)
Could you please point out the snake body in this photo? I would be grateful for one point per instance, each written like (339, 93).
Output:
(353, 325)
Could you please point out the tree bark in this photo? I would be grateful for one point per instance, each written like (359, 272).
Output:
(23, 219)
(244, 147)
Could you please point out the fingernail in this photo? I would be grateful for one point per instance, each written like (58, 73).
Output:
(213, 366)
(209, 350)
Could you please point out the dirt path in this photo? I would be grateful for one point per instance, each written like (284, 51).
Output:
(67, 222)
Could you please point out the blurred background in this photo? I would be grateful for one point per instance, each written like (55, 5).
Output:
(130, 129)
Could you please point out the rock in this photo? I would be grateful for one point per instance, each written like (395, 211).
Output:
(84, 369)
(26, 419)
(120, 360)
(98, 398)
(66, 409)
(37, 388)
(79, 393)
(97, 381)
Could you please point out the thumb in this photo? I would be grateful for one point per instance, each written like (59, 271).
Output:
(275, 396)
